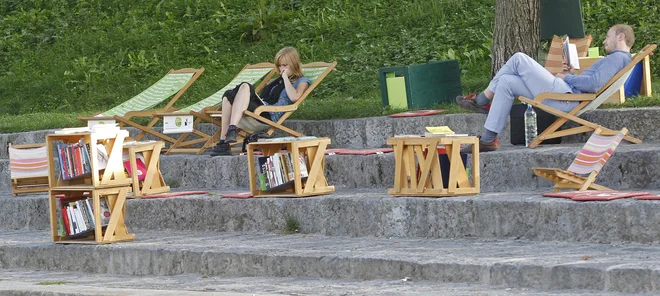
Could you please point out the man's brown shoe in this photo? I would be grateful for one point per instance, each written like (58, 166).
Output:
(483, 147)
(469, 102)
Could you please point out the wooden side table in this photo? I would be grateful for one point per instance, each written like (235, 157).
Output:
(153, 182)
(417, 169)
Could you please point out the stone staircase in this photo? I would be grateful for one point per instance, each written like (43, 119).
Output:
(508, 240)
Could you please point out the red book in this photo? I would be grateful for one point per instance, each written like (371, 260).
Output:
(65, 219)
(141, 168)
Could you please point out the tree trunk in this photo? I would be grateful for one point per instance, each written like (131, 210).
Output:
(516, 29)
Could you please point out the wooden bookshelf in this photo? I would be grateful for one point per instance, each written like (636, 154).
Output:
(113, 174)
(313, 150)
(114, 231)
(153, 182)
(417, 166)
(110, 183)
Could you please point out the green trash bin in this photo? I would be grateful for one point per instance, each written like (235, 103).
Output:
(420, 86)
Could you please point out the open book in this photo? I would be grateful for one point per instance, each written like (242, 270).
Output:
(570, 54)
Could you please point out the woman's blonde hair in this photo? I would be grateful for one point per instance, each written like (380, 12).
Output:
(289, 56)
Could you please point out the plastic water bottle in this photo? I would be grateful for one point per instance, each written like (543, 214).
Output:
(530, 125)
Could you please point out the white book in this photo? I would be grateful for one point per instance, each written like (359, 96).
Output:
(570, 54)
(81, 220)
(72, 228)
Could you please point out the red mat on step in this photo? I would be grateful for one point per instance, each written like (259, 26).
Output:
(345, 151)
(648, 197)
(238, 195)
(416, 113)
(173, 194)
(594, 195)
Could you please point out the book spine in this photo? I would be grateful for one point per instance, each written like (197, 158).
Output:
(67, 224)
(74, 228)
(88, 203)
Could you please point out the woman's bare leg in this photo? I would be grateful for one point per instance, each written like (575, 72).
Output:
(241, 102)
(226, 117)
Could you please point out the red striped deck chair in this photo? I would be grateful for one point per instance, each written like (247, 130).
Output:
(589, 161)
(28, 166)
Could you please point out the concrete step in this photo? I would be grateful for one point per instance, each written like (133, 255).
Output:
(64, 283)
(373, 213)
(546, 266)
(508, 169)
(374, 131)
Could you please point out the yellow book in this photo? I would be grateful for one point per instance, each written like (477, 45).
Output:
(439, 129)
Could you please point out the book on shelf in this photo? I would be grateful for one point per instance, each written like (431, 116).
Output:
(73, 159)
(141, 168)
(276, 172)
(76, 215)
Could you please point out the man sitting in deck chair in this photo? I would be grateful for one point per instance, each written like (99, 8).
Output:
(282, 91)
(522, 76)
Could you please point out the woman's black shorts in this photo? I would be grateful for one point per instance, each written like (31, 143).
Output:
(254, 99)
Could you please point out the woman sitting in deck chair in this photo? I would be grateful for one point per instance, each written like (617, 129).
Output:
(281, 91)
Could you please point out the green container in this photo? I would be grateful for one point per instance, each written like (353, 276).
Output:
(420, 86)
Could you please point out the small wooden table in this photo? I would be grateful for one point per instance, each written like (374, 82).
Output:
(153, 182)
(417, 168)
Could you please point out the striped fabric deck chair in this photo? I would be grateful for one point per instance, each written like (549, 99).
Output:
(28, 166)
(553, 62)
(173, 85)
(589, 161)
(587, 102)
(185, 121)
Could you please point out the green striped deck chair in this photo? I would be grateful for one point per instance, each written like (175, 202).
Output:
(589, 161)
(185, 121)
(173, 85)
(28, 165)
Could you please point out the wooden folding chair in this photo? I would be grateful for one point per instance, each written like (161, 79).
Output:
(256, 74)
(28, 166)
(173, 85)
(554, 61)
(587, 102)
(589, 161)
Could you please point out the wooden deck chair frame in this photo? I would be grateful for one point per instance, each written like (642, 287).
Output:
(253, 121)
(587, 102)
(569, 179)
(29, 184)
(125, 119)
(182, 144)
(553, 62)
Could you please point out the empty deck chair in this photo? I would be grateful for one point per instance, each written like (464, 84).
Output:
(173, 85)
(589, 161)
(28, 166)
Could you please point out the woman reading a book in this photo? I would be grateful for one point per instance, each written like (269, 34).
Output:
(279, 92)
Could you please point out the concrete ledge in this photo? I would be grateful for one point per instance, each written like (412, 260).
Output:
(367, 213)
(373, 131)
(510, 169)
(511, 263)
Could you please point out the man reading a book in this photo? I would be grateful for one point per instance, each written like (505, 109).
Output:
(522, 76)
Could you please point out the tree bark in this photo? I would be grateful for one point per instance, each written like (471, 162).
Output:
(517, 29)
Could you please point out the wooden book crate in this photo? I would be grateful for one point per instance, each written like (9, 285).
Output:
(311, 149)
